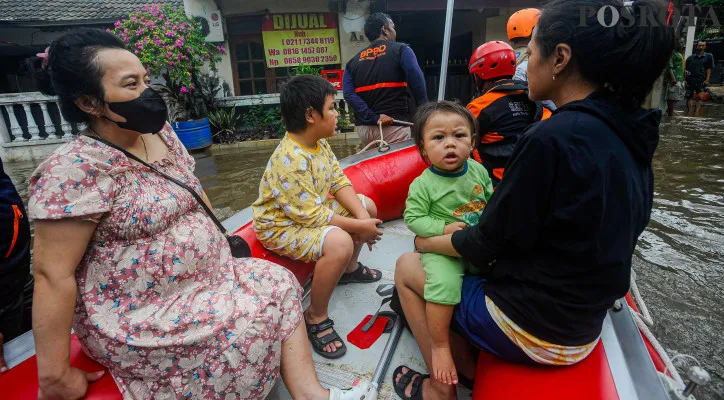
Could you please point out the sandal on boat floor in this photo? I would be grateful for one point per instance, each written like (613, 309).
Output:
(401, 385)
(363, 274)
(318, 343)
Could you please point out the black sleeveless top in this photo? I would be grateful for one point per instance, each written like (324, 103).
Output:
(380, 80)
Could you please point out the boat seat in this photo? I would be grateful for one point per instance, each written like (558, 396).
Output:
(590, 379)
(21, 381)
(301, 270)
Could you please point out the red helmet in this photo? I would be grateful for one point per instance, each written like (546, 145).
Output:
(493, 60)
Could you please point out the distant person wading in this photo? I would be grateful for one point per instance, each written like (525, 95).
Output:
(378, 81)
(698, 72)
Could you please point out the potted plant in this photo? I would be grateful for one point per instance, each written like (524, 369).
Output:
(173, 46)
(224, 121)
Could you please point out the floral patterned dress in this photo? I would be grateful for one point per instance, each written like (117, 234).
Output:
(161, 301)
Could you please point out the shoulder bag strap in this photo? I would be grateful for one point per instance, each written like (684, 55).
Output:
(170, 178)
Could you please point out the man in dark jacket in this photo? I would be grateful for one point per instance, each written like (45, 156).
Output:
(376, 83)
(14, 261)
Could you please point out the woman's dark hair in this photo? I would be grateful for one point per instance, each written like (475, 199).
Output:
(72, 69)
(627, 57)
(298, 95)
(374, 25)
(427, 110)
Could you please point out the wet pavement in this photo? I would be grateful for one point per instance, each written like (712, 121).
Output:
(680, 257)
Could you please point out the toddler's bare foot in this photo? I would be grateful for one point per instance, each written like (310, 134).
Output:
(443, 366)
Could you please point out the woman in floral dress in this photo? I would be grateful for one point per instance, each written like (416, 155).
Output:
(132, 262)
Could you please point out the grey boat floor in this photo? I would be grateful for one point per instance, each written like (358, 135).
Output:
(350, 304)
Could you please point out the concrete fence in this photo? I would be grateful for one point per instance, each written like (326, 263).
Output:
(31, 125)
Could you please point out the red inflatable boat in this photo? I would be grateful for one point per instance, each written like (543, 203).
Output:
(624, 365)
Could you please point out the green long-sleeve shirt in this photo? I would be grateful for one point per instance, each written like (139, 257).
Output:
(436, 199)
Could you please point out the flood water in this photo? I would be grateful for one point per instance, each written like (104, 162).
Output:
(680, 257)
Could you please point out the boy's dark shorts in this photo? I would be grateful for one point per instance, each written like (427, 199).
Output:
(694, 87)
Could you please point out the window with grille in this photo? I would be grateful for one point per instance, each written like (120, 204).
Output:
(250, 73)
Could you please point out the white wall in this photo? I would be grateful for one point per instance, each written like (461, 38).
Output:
(351, 30)
(30, 151)
(200, 7)
(495, 27)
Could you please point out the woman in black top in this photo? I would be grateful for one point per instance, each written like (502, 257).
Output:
(556, 239)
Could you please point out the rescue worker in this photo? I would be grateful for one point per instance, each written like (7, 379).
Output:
(14, 263)
(376, 83)
(520, 30)
(501, 106)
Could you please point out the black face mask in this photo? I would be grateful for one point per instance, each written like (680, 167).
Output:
(145, 114)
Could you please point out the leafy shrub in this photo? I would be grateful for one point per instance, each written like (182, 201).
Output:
(167, 41)
(304, 69)
(261, 123)
(224, 120)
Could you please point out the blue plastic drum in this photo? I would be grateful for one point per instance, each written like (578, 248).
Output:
(193, 134)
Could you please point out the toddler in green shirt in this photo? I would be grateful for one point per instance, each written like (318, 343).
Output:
(446, 197)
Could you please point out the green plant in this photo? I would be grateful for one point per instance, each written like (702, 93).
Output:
(342, 121)
(224, 120)
(304, 69)
(273, 118)
(208, 88)
(194, 105)
(173, 46)
(262, 122)
(254, 118)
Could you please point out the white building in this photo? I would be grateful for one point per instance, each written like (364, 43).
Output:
(256, 63)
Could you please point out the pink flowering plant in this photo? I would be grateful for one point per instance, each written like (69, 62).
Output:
(171, 45)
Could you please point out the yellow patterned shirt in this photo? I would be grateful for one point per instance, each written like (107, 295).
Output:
(296, 184)
(538, 350)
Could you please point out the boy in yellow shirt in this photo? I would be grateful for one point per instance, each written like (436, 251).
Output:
(294, 215)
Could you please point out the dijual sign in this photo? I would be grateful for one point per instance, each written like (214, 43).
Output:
(309, 38)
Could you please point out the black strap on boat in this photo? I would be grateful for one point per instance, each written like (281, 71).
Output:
(170, 178)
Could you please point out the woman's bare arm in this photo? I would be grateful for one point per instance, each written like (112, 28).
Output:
(58, 249)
